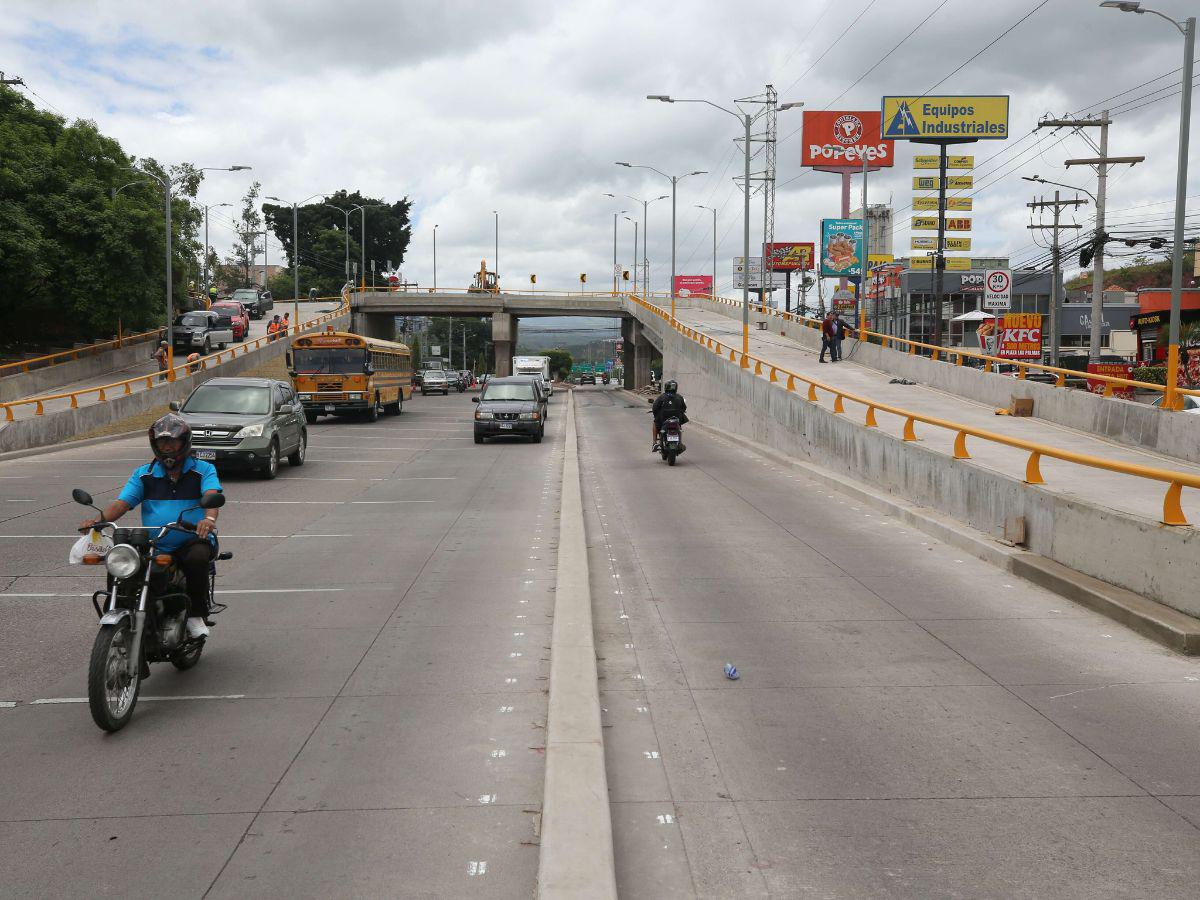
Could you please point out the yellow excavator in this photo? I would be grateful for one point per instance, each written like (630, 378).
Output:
(485, 282)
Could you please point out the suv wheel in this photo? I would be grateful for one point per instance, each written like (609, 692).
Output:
(296, 457)
(271, 469)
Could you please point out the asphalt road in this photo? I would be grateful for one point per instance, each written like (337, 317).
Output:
(148, 366)
(368, 717)
(909, 721)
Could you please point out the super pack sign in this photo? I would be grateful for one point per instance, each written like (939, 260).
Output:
(842, 139)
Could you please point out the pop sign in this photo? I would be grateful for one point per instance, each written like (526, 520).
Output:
(997, 289)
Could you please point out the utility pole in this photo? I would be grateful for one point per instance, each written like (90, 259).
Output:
(6, 80)
(1055, 293)
(1101, 163)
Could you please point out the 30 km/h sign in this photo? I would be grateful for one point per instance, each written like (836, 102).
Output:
(997, 289)
(950, 118)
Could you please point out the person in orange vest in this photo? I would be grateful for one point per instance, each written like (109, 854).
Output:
(284, 325)
(193, 363)
(273, 328)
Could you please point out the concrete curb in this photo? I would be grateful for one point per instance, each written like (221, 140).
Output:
(576, 855)
(67, 445)
(1160, 623)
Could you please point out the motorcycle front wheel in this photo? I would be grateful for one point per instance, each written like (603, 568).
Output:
(112, 694)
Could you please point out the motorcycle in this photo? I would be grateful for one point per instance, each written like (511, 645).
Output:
(143, 613)
(670, 439)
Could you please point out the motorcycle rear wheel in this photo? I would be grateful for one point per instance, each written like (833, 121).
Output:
(670, 458)
(112, 694)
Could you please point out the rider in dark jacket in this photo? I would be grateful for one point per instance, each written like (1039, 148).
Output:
(669, 403)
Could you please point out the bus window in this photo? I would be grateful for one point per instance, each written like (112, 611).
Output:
(328, 361)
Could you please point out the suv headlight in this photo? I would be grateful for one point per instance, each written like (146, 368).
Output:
(122, 561)
(249, 431)
(531, 415)
(484, 415)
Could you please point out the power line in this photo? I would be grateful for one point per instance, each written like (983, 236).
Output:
(988, 46)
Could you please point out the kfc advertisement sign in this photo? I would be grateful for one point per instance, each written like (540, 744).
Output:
(1021, 336)
(844, 139)
(690, 285)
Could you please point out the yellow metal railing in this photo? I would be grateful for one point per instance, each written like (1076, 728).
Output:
(960, 354)
(63, 356)
(1172, 513)
(186, 368)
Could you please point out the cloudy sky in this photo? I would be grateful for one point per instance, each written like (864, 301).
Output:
(522, 106)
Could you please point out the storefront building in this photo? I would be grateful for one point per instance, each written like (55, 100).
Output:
(1151, 321)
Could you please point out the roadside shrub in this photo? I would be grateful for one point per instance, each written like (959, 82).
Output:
(1151, 374)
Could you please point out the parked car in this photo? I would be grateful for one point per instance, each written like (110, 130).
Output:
(258, 303)
(510, 406)
(434, 380)
(201, 331)
(237, 314)
(246, 423)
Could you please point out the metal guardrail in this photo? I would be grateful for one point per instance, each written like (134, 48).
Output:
(1172, 510)
(960, 354)
(467, 292)
(126, 387)
(63, 356)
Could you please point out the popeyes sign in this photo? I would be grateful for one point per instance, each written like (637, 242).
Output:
(844, 140)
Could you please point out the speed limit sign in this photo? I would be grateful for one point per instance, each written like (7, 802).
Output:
(997, 289)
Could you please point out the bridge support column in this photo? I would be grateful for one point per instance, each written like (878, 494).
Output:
(628, 341)
(637, 351)
(504, 341)
(381, 326)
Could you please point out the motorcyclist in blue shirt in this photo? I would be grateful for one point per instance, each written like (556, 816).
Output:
(167, 488)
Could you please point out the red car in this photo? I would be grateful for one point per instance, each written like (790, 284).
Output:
(237, 313)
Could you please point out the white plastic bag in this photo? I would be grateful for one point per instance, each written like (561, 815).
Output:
(94, 542)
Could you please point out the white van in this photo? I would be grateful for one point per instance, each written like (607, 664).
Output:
(534, 365)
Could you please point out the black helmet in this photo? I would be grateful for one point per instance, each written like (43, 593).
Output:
(171, 426)
(670, 387)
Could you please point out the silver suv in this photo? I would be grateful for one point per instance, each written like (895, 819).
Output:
(433, 380)
(246, 423)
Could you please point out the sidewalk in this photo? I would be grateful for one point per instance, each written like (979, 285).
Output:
(1124, 493)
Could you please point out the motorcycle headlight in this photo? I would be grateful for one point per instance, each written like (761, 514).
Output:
(122, 561)
(249, 431)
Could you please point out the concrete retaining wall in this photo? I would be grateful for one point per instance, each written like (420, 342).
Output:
(1124, 421)
(45, 381)
(1153, 560)
(64, 425)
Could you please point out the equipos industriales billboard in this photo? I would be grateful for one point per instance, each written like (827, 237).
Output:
(842, 247)
(973, 118)
(843, 139)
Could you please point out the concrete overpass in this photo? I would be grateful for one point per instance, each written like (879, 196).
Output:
(373, 312)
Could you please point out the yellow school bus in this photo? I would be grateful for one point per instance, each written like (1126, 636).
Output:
(335, 373)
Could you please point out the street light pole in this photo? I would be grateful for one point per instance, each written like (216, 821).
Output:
(713, 210)
(435, 228)
(496, 262)
(674, 179)
(635, 246)
(747, 120)
(615, 215)
(1188, 29)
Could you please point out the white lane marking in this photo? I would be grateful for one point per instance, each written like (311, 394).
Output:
(7, 704)
(226, 536)
(350, 447)
(477, 867)
(359, 502)
(666, 819)
(499, 754)
(650, 754)
(324, 502)
(20, 501)
(54, 700)
(16, 476)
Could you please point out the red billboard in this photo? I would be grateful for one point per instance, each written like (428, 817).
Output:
(1020, 336)
(687, 285)
(841, 139)
(790, 257)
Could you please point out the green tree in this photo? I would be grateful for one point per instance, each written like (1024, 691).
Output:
(560, 362)
(249, 230)
(387, 226)
(80, 251)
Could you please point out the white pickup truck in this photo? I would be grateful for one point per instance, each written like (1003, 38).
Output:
(534, 365)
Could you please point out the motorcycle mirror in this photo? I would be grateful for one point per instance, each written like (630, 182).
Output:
(212, 501)
(82, 497)
(474, 399)
(174, 405)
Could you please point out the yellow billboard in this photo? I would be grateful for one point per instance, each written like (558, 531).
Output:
(953, 182)
(952, 162)
(953, 263)
(962, 204)
(930, 223)
(930, 243)
(949, 118)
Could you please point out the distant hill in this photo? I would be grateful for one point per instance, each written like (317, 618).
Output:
(1140, 275)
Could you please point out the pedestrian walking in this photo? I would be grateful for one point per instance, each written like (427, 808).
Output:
(273, 328)
(828, 338)
(842, 328)
(161, 357)
(287, 321)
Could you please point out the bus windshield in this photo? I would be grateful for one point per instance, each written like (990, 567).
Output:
(329, 361)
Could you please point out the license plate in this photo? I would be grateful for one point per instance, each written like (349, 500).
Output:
(506, 424)
(204, 454)
(329, 407)
(672, 439)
